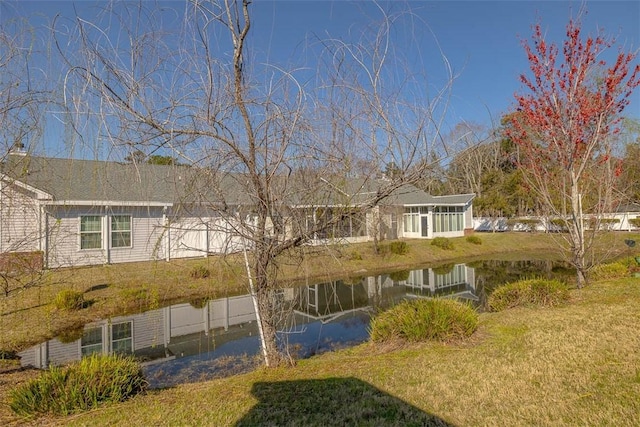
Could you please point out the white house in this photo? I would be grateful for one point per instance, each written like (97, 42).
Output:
(67, 212)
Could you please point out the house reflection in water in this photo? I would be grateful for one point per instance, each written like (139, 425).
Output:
(319, 317)
(457, 282)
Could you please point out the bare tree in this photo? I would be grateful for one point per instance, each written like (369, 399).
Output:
(22, 96)
(476, 154)
(280, 161)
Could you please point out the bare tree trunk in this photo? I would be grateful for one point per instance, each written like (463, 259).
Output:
(577, 232)
(278, 145)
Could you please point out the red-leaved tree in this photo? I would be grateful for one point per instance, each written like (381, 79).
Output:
(564, 125)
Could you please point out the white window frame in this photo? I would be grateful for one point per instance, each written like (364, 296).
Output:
(91, 232)
(411, 219)
(97, 347)
(129, 338)
(112, 232)
(448, 219)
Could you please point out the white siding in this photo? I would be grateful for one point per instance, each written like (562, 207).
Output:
(19, 213)
(64, 239)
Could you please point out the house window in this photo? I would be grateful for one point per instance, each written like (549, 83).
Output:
(91, 232)
(122, 337)
(448, 218)
(411, 220)
(120, 231)
(91, 341)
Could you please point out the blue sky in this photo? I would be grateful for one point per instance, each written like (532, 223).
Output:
(481, 39)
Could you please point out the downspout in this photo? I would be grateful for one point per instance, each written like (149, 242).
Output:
(45, 255)
(107, 234)
(42, 227)
(167, 238)
(1, 213)
(430, 216)
(206, 237)
(43, 233)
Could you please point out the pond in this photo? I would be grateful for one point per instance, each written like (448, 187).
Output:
(204, 339)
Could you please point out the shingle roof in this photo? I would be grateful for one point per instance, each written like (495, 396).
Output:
(629, 207)
(77, 181)
(89, 180)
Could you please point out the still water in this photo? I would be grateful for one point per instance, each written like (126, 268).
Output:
(204, 339)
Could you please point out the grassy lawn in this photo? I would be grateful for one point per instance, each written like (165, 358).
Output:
(574, 365)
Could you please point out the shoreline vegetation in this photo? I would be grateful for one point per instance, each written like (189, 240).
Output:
(574, 364)
(30, 316)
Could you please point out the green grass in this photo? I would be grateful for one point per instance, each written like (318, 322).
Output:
(577, 364)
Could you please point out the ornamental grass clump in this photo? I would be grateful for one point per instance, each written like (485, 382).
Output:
(425, 320)
(84, 385)
(69, 300)
(614, 270)
(531, 292)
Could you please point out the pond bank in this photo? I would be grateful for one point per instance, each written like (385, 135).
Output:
(111, 290)
(570, 365)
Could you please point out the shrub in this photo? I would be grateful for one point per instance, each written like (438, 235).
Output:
(134, 296)
(353, 280)
(68, 299)
(200, 272)
(475, 240)
(602, 223)
(537, 292)
(423, 320)
(94, 380)
(355, 256)
(612, 270)
(442, 243)
(396, 247)
(635, 222)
